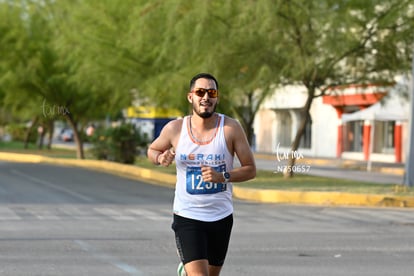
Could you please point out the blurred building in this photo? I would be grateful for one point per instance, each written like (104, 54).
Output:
(150, 120)
(359, 122)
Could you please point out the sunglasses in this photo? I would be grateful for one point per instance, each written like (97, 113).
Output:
(200, 92)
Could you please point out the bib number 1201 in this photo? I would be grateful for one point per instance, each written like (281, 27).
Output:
(196, 185)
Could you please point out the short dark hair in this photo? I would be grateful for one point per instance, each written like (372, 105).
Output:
(202, 76)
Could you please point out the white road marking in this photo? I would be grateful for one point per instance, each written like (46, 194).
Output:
(7, 214)
(113, 214)
(108, 259)
(53, 186)
(148, 214)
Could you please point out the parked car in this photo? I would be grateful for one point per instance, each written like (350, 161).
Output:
(66, 135)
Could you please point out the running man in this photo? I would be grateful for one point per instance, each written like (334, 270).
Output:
(203, 146)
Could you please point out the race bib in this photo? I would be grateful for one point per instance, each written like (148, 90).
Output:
(196, 185)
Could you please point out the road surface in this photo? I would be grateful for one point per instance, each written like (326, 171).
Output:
(70, 221)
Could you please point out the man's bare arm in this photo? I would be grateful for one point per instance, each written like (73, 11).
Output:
(241, 148)
(161, 151)
(237, 144)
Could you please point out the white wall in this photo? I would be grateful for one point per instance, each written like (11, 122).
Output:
(324, 122)
(324, 129)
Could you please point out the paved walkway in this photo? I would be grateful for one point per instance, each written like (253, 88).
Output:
(385, 173)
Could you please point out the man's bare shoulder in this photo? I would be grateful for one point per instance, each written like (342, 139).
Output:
(233, 129)
(175, 122)
(174, 126)
(231, 122)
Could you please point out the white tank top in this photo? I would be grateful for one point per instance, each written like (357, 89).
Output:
(195, 199)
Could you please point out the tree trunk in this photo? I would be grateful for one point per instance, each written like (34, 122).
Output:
(51, 128)
(29, 131)
(78, 140)
(250, 134)
(246, 120)
(247, 113)
(41, 136)
(247, 124)
(288, 173)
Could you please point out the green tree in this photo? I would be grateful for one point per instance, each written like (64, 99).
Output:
(84, 54)
(255, 46)
(43, 67)
(327, 43)
(220, 37)
(17, 60)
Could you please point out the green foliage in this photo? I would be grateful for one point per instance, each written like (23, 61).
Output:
(18, 133)
(117, 144)
(87, 56)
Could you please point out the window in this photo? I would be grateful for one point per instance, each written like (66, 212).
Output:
(384, 137)
(389, 142)
(284, 132)
(353, 136)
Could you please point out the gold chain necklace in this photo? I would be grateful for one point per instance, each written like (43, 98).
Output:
(203, 140)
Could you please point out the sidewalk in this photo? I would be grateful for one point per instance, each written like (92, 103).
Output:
(384, 173)
(330, 169)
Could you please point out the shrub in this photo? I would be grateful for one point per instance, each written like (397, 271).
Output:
(117, 144)
(18, 133)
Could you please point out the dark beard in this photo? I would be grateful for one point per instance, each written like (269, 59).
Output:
(205, 115)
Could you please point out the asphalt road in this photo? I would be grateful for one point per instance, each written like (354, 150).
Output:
(71, 221)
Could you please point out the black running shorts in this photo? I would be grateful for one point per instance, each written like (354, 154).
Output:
(198, 240)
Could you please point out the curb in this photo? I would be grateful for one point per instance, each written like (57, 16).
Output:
(98, 165)
(250, 194)
(347, 164)
(322, 198)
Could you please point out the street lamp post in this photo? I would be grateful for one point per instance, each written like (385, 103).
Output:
(409, 170)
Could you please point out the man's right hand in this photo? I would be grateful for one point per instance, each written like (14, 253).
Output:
(166, 158)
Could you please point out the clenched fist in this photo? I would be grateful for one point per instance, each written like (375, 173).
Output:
(209, 174)
(166, 158)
